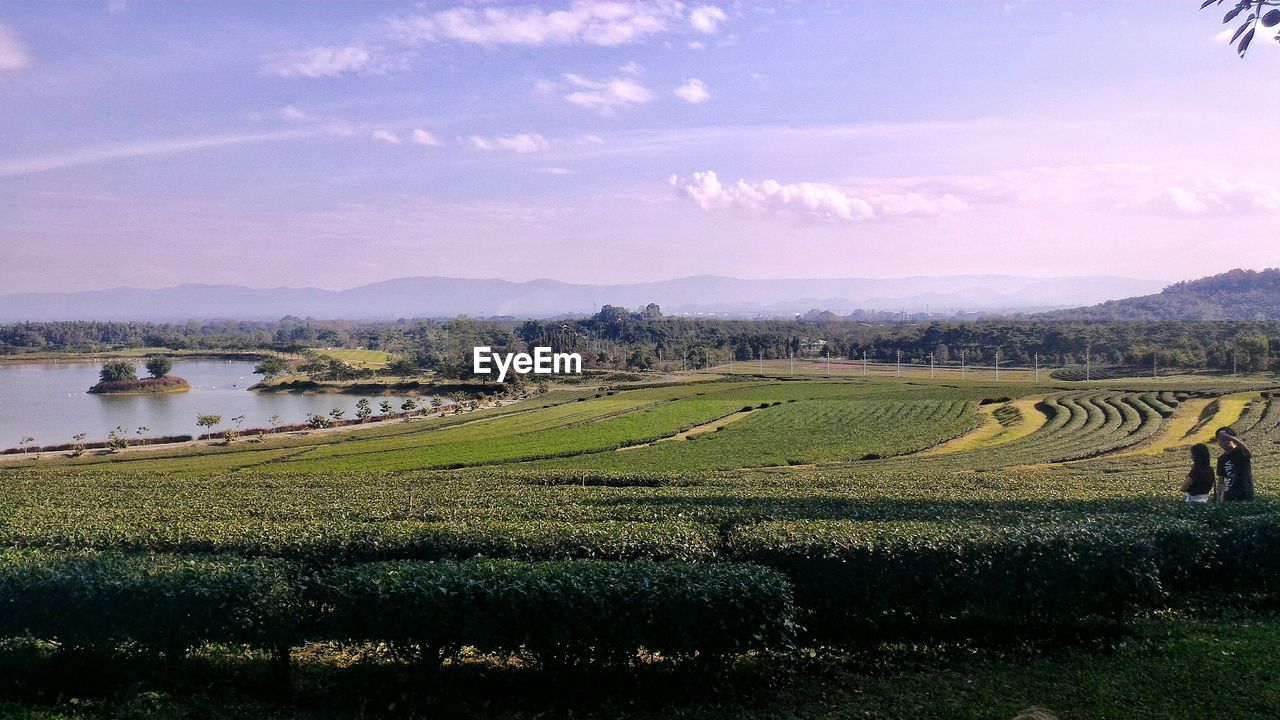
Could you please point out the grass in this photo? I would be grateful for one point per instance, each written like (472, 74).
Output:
(359, 358)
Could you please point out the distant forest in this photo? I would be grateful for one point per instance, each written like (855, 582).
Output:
(644, 339)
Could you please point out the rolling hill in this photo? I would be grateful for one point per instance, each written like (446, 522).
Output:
(446, 297)
(1234, 295)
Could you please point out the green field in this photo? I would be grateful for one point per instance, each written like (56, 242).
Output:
(792, 522)
(359, 358)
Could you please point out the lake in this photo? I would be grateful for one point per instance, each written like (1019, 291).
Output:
(48, 401)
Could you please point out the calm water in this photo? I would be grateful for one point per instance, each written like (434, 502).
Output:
(48, 401)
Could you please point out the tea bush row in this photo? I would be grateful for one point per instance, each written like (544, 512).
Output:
(557, 612)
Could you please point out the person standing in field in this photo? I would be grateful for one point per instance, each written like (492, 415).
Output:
(1199, 483)
(1235, 467)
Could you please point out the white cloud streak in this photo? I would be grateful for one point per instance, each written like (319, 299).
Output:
(1219, 196)
(12, 55)
(322, 62)
(587, 22)
(694, 91)
(423, 137)
(809, 200)
(90, 156)
(386, 136)
(521, 144)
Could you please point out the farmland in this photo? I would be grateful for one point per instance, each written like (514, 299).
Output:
(810, 515)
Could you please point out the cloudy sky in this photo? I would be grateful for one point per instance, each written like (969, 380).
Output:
(334, 144)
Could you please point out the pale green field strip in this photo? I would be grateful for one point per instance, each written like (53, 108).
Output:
(371, 359)
(820, 431)
(991, 432)
(625, 418)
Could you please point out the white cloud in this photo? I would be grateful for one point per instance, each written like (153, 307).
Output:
(292, 113)
(322, 62)
(706, 18)
(808, 200)
(12, 54)
(521, 144)
(632, 68)
(695, 45)
(422, 137)
(694, 91)
(606, 96)
(588, 22)
(1217, 195)
(386, 136)
(554, 171)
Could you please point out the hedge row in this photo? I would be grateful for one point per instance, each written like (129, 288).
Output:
(558, 612)
(320, 542)
(883, 580)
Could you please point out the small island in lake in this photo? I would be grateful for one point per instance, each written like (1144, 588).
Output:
(120, 377)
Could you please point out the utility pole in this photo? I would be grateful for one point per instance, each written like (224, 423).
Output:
(760, 355)
(997, 364)
(828, 359)
(864, 363)
(930, 366)
(962, 367)
(899, 363)
(1037, 367)
(792, 355)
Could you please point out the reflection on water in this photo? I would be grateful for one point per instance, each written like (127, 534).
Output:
(49, 402)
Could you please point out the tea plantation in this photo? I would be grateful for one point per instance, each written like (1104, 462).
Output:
(716, 528)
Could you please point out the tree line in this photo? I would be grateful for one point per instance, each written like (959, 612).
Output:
(644, 339)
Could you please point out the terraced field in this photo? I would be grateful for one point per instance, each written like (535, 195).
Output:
(833, 513)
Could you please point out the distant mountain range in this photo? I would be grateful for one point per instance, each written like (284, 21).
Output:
(445, 297)
(1234, 295)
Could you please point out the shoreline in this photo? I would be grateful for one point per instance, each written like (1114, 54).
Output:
(67, 358)
(99, 449)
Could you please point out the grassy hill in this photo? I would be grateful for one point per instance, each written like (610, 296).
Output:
(1234, 295)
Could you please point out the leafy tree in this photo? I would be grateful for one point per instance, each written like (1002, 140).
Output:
(271, 367)
(363, 410)
(409, 405)
(158, 367)
(117, 371)
(1258, 16)
(336, 413)
(385, 407)
(317, 421)
(209, 422)
(77, 444)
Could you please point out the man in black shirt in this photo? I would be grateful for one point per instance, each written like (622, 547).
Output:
(1235, 467)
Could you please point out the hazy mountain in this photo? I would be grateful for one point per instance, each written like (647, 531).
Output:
(440, 297)
(1235, 295)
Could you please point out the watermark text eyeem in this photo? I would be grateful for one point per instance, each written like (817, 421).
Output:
(542, 361)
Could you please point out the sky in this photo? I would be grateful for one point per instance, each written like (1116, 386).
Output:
(150, 144)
